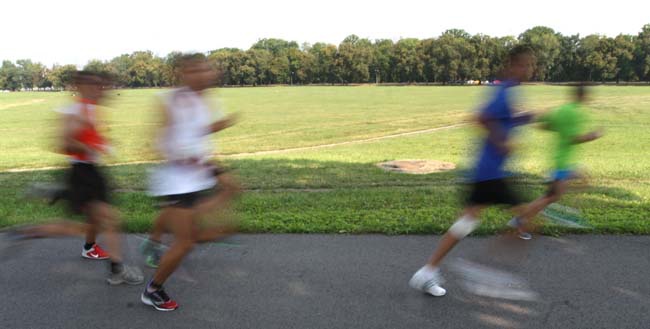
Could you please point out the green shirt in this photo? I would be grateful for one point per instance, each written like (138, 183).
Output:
(568, 123)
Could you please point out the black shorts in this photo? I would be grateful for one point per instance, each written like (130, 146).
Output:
(185, 200)
(85, 184)
(490, 192)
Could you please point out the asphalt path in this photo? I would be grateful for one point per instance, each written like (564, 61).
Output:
(334, 281)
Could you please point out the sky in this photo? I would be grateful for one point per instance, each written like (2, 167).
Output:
(75, 31)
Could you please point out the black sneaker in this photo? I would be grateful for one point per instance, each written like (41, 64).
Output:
(159, 300)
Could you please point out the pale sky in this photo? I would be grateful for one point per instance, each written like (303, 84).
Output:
(74, 31)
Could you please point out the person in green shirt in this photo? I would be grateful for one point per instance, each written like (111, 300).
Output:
(568, 124)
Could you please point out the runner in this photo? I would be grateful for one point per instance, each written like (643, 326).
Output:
(186, 184)
(567, 122)
(489, 181)
(86, 188)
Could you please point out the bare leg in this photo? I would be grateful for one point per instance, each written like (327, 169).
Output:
(91, 231)
(449, 240)
(229, 189)
(213, 233)
(181, 227)
(60, 228)
(104, 214)
(218, 209)
(159, 226)
(527, 212)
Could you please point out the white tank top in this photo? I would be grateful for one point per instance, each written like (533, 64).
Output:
(185, 144)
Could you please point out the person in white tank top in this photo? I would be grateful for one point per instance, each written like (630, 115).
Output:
(186, 181)
(185, 144)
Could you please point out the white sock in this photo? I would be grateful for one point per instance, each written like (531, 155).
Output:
(429, 269)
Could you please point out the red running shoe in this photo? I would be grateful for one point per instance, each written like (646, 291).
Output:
(96, 252)
(159, 300)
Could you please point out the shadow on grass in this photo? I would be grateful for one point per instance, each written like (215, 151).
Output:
(351, 198)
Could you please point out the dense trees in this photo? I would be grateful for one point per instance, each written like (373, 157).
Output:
(453, 56)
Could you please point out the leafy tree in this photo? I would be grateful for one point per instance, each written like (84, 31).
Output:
(624, 51)
(354, 55)
(9, 76)
(406, 62)
(380, 67)
(454, 56)
(61, 76)
(120, 67)
(324, 63)
(598, 58)
(275, 46)
(170, 69)
(567, 66)
(261, 58)
(546, 45)
(451, 56)
(642, 53)
(30, 74)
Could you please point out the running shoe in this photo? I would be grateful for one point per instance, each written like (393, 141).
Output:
(129, 275)
(515, 223)
(95, 252)
(428, 280)
(152, 252)
(159, 300)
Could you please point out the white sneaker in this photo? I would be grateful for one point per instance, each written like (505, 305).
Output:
(129, 275)
(428, 280)
(516, 224)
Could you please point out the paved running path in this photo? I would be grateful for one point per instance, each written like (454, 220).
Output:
(335, 281)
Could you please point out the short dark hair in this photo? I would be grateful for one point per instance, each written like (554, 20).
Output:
(86, 78)
(189, 59)
(519, 51)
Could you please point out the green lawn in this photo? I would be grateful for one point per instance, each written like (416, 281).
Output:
(339, 189)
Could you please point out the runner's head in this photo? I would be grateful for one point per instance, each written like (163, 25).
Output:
(89, 85)
(519, 63)
(580, 93)
(195, 72)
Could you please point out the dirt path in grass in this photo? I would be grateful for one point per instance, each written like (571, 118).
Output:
(358, 141)
(277, 151)
(33, 101)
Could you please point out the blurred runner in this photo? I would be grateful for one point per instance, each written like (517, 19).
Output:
(189, 185)
(567, 123)
(489, 180)
(86, 189)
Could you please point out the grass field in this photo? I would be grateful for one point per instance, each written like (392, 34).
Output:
(339, 188)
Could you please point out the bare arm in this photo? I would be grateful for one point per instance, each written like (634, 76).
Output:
(222, 124)
(594, 135)
(161, 128)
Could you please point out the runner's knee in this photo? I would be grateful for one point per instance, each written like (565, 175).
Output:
(463, 227)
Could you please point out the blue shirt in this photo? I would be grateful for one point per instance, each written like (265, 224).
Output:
(491, 161)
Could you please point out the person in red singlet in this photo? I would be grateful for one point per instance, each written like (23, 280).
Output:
(86, 189)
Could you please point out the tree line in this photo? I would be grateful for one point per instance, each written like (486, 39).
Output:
(455, 56)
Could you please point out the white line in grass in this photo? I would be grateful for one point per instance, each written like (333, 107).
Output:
(267, 152)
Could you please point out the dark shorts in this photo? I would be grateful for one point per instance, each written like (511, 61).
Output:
(492, 192)
(185, 200)
(85, 184)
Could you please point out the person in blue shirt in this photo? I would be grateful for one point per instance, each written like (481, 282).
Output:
(488, 179)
